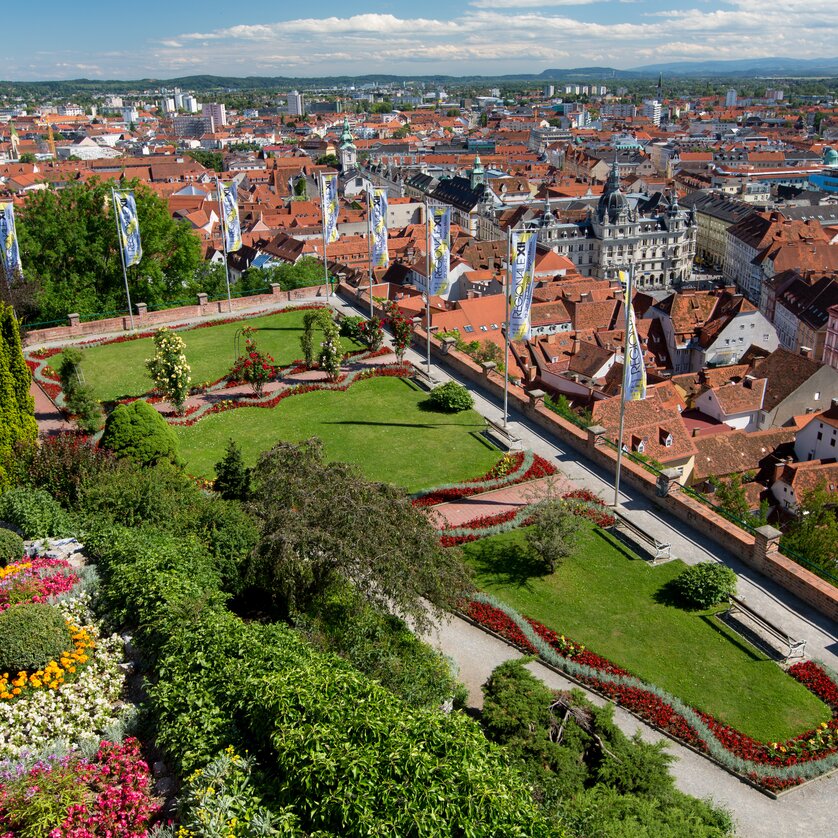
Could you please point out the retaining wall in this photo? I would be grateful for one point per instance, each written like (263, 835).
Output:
(145, 319)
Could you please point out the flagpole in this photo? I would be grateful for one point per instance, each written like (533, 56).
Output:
(223, 214)
(626, 304)
(325, 262)
(122, 256)
(506, 327)
(369, 243)
(428, 286)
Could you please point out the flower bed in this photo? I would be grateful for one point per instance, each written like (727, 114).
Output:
(81, 705)
(517, 467)
(102, 796)
(771, 766)
(593, 508)
(34, 580)
(272, 400)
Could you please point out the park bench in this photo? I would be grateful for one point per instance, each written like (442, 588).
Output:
(794, 648)
(502, 437)
(658, 550)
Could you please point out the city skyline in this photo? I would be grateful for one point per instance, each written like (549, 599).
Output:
(480, 37)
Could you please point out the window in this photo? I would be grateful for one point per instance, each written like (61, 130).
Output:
(468, 328)
(820, 436)
(832, 442)
(817, 395)
(484, 328)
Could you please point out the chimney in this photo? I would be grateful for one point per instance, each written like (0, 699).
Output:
(806, 351)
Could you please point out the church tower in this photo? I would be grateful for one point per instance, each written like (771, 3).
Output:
(348, 154)
(477, 174)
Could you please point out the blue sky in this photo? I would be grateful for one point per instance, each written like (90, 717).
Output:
(97, 39)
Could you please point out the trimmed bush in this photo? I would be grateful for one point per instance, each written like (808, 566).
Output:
(34, 512)
(138, 431)
(11, 547)
(705, 584)
(349, 327)
(451, 397)
(31, 635)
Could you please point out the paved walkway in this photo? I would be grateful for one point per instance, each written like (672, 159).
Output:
(50, 419)
(457, 513)
(809, 812)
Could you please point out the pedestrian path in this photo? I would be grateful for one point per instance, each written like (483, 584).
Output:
(457, 513)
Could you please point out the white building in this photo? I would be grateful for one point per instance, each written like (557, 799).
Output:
(296, 106)
(819, 439)
(190, 104)
(652, 110)
(730, 98)
(217, 112)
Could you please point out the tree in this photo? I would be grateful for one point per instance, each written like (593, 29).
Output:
(27, 157)
(209, 159)
(138, 431)
(328, 160)
(17, 407)
(401, 328)
(78, 396)
(169, 369)
(731, 496)
(814, 533)
(323, 523)
(232, 477)
(554, 533)
(68, 241)
(255, 367)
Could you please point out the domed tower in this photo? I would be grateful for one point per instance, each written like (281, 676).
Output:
(477, 174)
(547, 218)
(613, 206)
(830, 157)
(348, 153)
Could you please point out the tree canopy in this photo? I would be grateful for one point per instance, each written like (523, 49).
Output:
(323, 522)
(69, 247)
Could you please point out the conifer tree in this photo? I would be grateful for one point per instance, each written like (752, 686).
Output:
(17, 407)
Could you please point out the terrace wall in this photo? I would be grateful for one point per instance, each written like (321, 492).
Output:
(145, 319)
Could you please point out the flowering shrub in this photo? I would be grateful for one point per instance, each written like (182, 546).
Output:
(774, 766)
(168, 368)
(255, 367)
(371, 334)
(220, 800)
(103, 796)
(401, 329)
(84, 704)
(511, 469)
(35, 580)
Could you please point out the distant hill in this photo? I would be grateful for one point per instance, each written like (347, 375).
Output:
(745, 67)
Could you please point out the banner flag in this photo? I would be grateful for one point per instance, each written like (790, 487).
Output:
(230, 208)
(378, 223)
(439, 219)
(522, 253)
(129, 226)
(329, 199)
(635, 372)
(8, 242)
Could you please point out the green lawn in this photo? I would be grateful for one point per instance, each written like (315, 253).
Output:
(616, 604)
(377, 424)
(118, 369)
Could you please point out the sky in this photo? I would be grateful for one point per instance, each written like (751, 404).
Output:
(156, 39)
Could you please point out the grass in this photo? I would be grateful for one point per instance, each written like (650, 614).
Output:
(118, 369)
(379, 424)
(618, 606)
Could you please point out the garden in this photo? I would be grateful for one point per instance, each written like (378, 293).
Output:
(680, 668)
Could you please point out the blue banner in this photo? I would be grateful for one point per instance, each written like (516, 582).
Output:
(230, 210)
(522, 282)
(329, 200)
(635, 371)
(439, 219)
(129, 226)
(8, 242)
(378, 225)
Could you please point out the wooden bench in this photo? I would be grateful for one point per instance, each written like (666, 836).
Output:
(795, 648)
(502, 436)
(658, 550)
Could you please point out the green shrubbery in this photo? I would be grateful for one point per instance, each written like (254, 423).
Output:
(34, 512)
(78, 396)
(349, 327)
(704, 584)
(31, 635)
(450, 397)
(11, 547)
(591, 778)
(138, 431)
(370, 764)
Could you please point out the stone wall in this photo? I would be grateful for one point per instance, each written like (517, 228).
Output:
(145, 319)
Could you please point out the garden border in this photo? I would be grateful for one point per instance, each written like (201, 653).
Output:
(691, 717)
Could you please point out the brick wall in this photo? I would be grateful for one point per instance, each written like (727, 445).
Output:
(144, 319)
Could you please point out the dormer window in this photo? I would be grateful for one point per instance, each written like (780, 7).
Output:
(641, 446)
